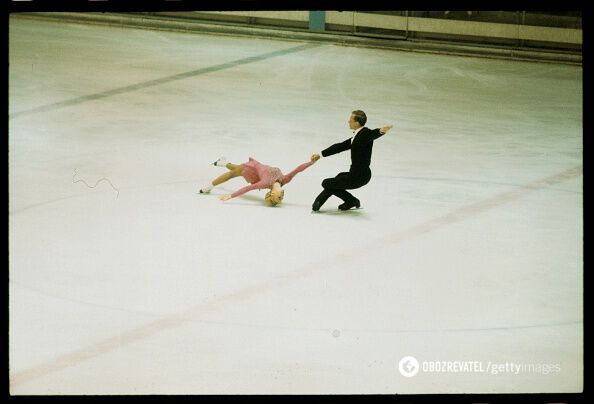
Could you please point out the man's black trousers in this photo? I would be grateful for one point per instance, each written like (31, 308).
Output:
(346, 180)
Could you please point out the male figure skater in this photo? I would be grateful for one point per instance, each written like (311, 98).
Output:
(360, 145)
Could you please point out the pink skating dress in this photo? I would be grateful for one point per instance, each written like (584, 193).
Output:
(262, 176)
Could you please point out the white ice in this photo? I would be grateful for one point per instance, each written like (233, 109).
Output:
(468, 247)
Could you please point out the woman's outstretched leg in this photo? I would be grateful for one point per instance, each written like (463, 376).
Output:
(232, 167)
(235, 170)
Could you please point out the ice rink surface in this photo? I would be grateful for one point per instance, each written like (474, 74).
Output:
(124, 280)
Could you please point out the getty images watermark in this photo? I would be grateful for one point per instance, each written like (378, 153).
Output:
(409, 366)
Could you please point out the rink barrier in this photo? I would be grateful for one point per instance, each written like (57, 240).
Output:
(143, 21)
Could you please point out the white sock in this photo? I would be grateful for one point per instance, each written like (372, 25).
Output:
(206, 189)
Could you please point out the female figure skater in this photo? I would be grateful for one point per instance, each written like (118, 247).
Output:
(259, 176)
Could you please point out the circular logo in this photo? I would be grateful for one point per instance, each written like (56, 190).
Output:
(408, 366)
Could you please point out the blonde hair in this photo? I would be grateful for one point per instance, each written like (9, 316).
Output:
(273, 202)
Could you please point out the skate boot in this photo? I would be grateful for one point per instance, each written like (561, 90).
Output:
(206, 189)
(221, 162)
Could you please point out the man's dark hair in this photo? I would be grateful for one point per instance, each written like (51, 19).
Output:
(360, 117)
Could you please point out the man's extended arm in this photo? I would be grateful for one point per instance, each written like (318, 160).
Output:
(376, 133)
(346, 145)
(337, 148)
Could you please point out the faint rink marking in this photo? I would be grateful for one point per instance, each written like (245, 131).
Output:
(416, 83)
(144, 187)
(176, 320)
(468, 181)
(162, 80)
(74, 300)
(483, 80)
(161, 37)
